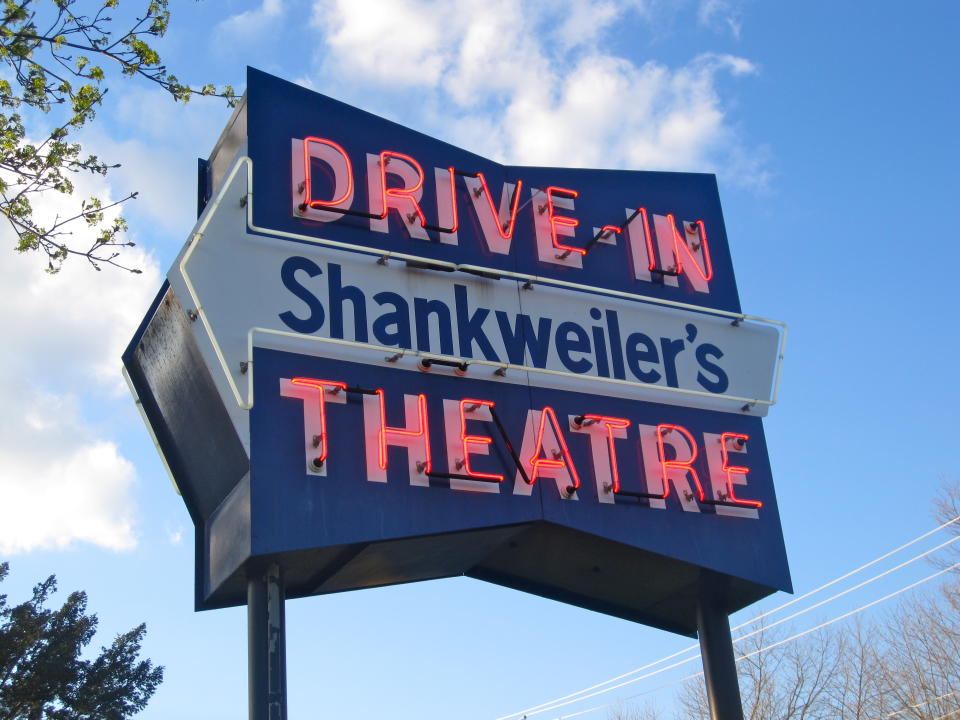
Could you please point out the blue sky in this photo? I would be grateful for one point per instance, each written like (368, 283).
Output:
(831, 127)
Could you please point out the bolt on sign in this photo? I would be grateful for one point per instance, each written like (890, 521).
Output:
(380, 358)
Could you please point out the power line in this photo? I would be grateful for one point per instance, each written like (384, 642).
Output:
(849, 574)
(920, 705)
(630, 697)
(536, 709)
(847, 591)
(851, 612)
(551, 704)
(554, 706)
(750, 654)
(949, 714)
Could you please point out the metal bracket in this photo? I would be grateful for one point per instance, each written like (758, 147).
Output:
(459, 367)
(303, 207)
(640, 495)
(510, 449)
(672, 272)
(460, 476)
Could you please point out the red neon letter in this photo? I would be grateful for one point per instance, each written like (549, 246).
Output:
(322, 386)
(422, 431)
(686, 465)
(645, 225)
(537, 462)
(467, 440)
(641, 252)
(347, 194)
(453, 201)
(611, 423)
(706, 272)
(729, 469)
(407, 194)
(505, 232)
(566, 221)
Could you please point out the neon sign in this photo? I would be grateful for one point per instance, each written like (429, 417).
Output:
(425, 363)
(677, 449)
(675, 253)
(471, 406)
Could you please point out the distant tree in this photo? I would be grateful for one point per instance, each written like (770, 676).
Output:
(857, 689)
(921, 658)
(55, 63)
(42, 673)
(624, 711)
(946, 510)
(904, 665)
(788, 681)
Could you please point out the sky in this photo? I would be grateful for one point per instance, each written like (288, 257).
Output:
(832, 130)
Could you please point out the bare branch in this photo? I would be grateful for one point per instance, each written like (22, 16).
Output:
(55, 69)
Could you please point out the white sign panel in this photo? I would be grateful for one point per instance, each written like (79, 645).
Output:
(247, 288)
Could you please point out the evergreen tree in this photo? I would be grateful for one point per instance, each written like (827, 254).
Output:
(42, 673)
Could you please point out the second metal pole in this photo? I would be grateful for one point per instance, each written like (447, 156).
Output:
(719, 662)
(266, 646)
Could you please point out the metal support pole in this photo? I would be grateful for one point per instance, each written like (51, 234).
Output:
(719, 666)
(266, 646)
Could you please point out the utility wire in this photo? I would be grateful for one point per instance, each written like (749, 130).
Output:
(551, 704)
(543, 707)
(920, 705)
(949, 714)
(852, 612)
(845, 592)
(849, 574)
(750, 654)
(554, 706)
(630, 697)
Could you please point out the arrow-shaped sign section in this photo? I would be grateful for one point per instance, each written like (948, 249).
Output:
(245, 286)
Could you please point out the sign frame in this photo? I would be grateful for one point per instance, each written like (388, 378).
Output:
(236, 454)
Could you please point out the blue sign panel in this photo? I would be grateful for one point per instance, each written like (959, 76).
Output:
(330, 172)
(463, 454)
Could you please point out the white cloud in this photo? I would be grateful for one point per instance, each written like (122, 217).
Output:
(389, 42)
(60, 484)
(721, 13)
(250, 23)
(156, 161)
(583, 22)
(71, 327)
(164, 179)
(530, 83)
(62, 479)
